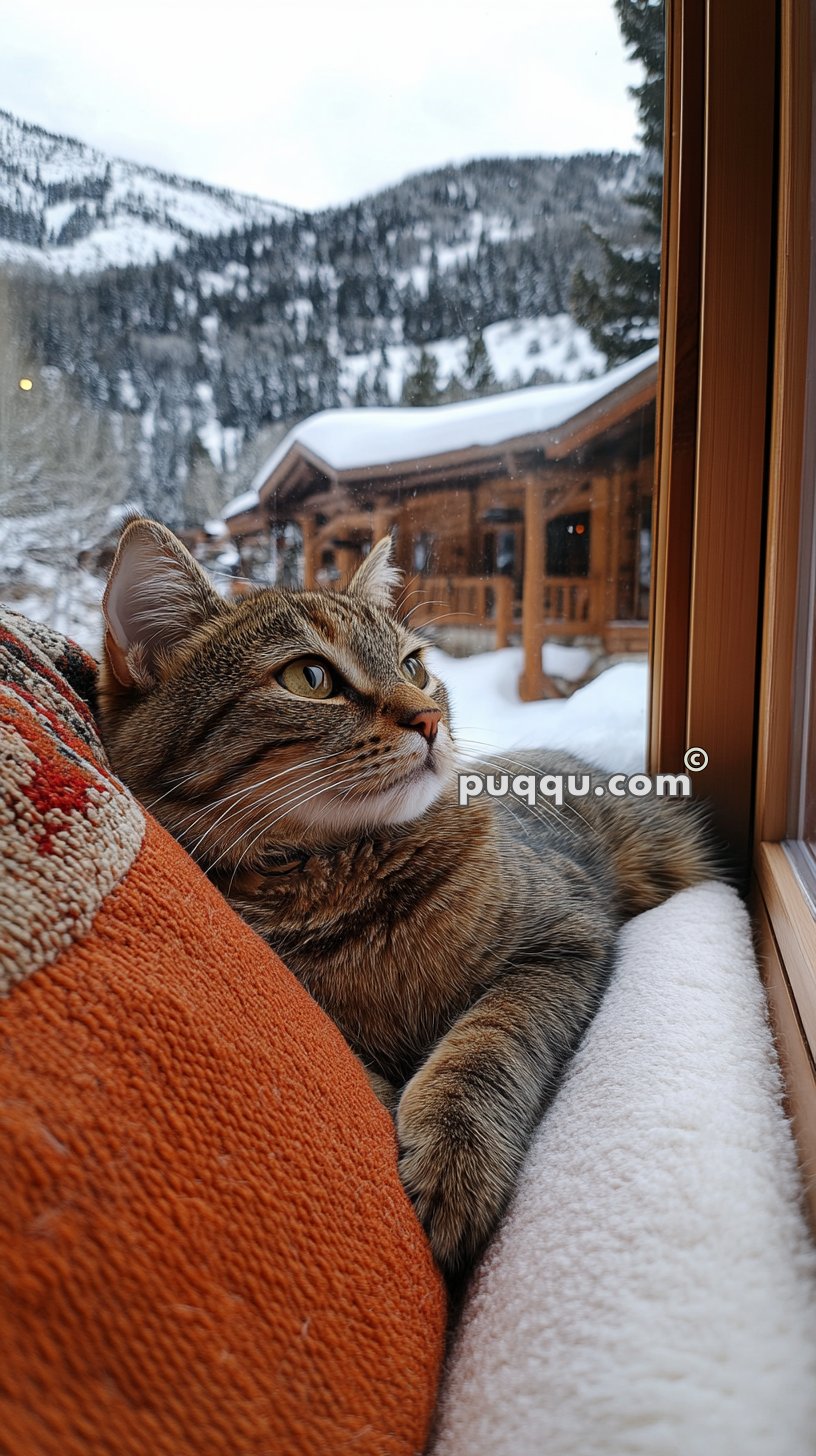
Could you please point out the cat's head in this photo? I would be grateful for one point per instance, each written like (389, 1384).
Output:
(280, 719)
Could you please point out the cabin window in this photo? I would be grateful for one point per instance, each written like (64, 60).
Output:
(568, 541)
(505, 558)
(423, 546)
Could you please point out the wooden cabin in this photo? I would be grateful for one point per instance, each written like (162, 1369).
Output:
(523, 515)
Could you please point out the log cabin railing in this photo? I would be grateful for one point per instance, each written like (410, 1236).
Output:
(568, 604)
(464, 601)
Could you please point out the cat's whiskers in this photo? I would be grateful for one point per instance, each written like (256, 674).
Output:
(405, 595)
(233, 806)
(435, 602)
(506, 763)
(440, 617)
(295, 803)
(195, 773)
(516, 813)
(378, 773)
(542, 811)
(173, 789)
(249, 804)
(248, 789)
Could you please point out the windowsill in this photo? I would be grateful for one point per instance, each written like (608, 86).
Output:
(803, 861)
(786, 943)
(794, 927)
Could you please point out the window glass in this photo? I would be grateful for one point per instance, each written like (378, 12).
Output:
(802, 811)
(802, 802)
(347, 282)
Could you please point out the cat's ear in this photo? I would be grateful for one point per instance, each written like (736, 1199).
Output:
(377, 579)
(155, 597)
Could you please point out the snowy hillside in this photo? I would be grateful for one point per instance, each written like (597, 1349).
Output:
(518, 351)
(71, 208)
(201, 320)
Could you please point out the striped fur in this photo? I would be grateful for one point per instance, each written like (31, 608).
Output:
(462, 951)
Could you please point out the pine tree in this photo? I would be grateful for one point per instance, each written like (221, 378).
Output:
(204, 492)
(421, 386)
(478, 373)
(362, 394)
(379, 386)
(619, 308)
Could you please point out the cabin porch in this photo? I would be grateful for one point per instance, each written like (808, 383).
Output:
(556, 555)
(539, 535)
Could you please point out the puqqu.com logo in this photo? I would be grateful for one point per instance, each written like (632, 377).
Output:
(557, 788)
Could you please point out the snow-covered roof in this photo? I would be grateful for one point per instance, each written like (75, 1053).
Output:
(349, 439)
(247, 501)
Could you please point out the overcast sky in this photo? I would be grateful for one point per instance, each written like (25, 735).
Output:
(310, 102)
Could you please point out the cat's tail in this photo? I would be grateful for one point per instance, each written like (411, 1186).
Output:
(660, 846)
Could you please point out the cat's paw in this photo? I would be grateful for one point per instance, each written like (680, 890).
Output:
(384, 1091)
(455, 1166)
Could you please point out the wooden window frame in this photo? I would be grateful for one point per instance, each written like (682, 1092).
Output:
(730, 432)
(784, 913)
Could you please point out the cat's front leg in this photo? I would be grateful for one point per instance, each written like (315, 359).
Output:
(465, 1119)
(383, 1090)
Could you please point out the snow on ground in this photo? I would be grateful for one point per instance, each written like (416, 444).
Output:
(567, 662)
(557, 344)
(517, 349)
(604, 722)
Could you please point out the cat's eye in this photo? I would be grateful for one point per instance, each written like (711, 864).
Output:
(414, 669)
(308, 677)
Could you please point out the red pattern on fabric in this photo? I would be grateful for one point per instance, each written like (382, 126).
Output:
(63, 732)
(53, 787)
(58, 785)
(41, 669)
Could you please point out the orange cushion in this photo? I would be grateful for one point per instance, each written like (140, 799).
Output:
(204, 1243)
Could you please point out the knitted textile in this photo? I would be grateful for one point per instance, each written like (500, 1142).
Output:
(204, 1244)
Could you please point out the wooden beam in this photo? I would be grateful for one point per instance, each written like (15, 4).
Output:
(503, 606)
(534, 683)
(599, 551)
(614, 518)
(733, 402)
(676, 423)
(790, 426)
(472, 562)
(383, 516)
(345, 558)
(307, 528)
(714, 399)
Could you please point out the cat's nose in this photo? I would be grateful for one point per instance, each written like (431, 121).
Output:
(426, 723)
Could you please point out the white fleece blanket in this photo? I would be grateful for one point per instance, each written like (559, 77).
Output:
(653, 1287)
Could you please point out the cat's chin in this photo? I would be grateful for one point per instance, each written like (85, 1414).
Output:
(403, 802)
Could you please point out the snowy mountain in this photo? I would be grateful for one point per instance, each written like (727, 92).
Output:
(203, 321)
(69, 207)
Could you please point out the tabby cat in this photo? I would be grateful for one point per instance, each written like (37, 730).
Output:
(301, 749)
